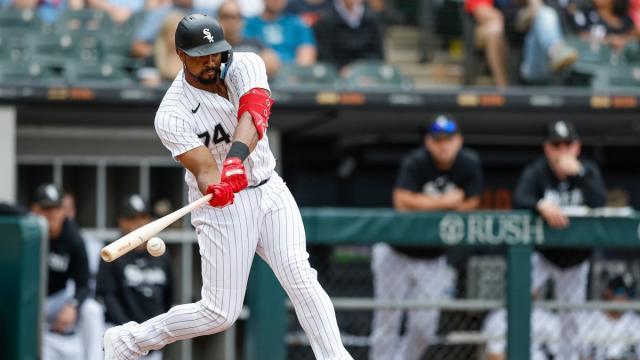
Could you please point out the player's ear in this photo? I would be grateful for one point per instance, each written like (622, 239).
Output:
(181, 54)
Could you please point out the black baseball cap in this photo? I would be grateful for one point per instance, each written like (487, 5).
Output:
(48, 196)
(442, 125)
(622, 284)
(561, 131)
(134, 205)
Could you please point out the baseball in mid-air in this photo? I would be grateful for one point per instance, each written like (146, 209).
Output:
(155, 246)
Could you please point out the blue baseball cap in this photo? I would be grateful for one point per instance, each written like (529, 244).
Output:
(443, 125)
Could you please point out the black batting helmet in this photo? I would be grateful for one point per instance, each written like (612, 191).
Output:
(199, 35)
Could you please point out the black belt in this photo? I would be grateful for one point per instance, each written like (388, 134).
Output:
(259, 184)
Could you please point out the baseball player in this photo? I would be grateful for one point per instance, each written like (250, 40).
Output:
(549, 186)
(74, 321)
(213, 119)
(611, 335)
(545, 332)
(440, 175)
(138, 286)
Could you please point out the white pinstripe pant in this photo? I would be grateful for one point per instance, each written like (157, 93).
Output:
(264, 220)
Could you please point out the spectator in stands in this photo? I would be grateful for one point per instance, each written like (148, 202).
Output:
(74, 322)
(309, 10)
(349, 32)
(149, 30)
(607, 21)
(611, 334)
(164, 49)
(248, 8)
(490, 35)
(291, 39)
(634, 13)
(138, 286)
(121, 10)
(545, 50)
(47, 10)
(233, 24)
(441, 175)
(552, 186)
(545, 334)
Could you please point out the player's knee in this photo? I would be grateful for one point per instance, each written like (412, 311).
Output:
(220, 319)
(91, 310)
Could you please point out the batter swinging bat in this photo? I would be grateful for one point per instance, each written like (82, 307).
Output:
(139, 236)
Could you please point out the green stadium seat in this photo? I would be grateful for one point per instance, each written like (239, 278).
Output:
(375, 74)
(15, 46)
(631, 53)
(320, 74)
(588, 53)
(86, 20)
(617, 77)
(19, 19)
(29, 73)
(86, 74)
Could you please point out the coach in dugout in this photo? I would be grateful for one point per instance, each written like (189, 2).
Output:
(440, 175)
(74, 322)
(551, 186)
(138, 286)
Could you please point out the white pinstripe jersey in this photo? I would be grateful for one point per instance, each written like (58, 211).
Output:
(189, 117)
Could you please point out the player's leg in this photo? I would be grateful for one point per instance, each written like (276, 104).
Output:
(391, 281)
(282, 245)
(541, 271)
(570, 287)
(422, 325)
(227, 239)
(90, 328)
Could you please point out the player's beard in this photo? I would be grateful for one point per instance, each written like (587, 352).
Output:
(209, 80)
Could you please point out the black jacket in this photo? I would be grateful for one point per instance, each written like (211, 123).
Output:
(340, 44)
(539, 182)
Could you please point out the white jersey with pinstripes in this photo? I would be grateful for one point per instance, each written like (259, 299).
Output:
(189, 117)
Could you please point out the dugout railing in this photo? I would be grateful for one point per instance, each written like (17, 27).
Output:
(265, 335)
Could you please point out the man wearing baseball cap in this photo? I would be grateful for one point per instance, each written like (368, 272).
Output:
(138, 286)
(552, 185)
(73, 320)
(610, 334)
(440, 175)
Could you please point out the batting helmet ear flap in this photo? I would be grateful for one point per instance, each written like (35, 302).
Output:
(227, 59)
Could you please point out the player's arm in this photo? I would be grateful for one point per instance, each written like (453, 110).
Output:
(469, 204)
(407, 200)
(201, 164)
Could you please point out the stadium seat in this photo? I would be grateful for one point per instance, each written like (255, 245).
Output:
(88, 74)
(320, 74)
(83, 20)
(18, 19)
(15, 46)
(616, 76)
(590, 53)
(631, 53)
(375, 74)
(29, 73)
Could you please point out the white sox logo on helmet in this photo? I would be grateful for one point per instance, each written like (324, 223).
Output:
(207, 35)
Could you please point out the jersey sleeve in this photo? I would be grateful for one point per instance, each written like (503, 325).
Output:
(247, 72)
(176, 135)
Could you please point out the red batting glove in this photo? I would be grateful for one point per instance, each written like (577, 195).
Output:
(222, 194)
(233, 174)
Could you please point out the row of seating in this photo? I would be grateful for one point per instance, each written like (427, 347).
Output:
(318, 76)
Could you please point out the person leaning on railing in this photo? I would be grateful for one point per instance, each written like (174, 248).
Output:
(550, 186)
(441, 175)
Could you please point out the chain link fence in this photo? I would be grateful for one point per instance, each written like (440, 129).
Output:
(591, 315)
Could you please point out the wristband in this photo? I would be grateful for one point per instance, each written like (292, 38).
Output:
(239, 150)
